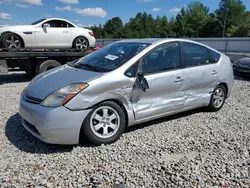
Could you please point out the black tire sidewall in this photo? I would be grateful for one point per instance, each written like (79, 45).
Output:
(43, 66)
(1, 41)
(88, 133)
(81, 37)
(211, 105)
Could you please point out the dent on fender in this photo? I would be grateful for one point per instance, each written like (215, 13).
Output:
(86, 100)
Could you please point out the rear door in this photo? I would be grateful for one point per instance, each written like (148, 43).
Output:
(161, 68)
(200, 74)
(58, 34)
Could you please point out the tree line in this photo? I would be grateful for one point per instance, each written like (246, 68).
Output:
(230, 19)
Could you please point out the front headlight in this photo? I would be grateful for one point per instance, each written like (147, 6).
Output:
(63, 95)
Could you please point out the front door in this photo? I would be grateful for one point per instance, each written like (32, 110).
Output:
(161, 68)
(56, 34)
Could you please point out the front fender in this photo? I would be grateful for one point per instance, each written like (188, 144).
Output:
(4, 32)
(84, 101)
(16, 33)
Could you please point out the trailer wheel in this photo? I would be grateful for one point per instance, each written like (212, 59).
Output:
(47, 65)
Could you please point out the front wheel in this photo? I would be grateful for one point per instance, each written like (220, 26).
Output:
(11, 40)
(218, 98)
(104, 124)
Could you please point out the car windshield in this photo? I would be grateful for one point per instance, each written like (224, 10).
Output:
(110, 57)
(38, 21)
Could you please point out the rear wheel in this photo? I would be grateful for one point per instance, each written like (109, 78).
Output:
(104, 124)
(81, 43)
(11, 40)
(218, 98)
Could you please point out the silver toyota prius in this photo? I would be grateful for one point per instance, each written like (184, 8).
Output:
(123, 84)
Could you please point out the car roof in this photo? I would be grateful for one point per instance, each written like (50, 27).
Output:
(155, 40)
(161, 40)
(54, 18)
(146, 40)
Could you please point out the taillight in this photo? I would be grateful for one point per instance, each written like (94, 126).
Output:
(92, 34)
(97, 47)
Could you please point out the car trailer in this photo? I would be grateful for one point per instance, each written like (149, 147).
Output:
(36, 61)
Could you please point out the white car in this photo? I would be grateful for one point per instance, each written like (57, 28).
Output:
(47, 33)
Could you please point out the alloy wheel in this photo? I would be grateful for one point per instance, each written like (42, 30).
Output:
(81, 44)
(218, 97)
(104, 122)
(13, 42)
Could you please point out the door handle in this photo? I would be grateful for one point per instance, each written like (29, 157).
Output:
(214, 72)
(178, 79)
(66, 31)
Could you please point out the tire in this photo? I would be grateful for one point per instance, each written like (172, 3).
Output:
(98, 136)
(1, 41)
(81, 43)
(47, 65)
(11, 40)
(212, 106)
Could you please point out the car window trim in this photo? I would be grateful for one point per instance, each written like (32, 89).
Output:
(158, 72)
(162, 71)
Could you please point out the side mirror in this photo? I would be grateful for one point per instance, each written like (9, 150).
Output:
(46, 25)
(142, 81)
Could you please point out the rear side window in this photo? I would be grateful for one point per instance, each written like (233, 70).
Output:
(195, 55)
(70, 25)
(214, 56)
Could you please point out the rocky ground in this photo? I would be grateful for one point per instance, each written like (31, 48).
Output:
(192, 149)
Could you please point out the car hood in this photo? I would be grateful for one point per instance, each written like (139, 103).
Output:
(46, 83)
(244, 62)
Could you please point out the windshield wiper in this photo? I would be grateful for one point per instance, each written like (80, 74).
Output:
(89, 66)
(72, 63)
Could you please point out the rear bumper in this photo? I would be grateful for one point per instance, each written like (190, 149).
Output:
(52, 125)
(92, 41)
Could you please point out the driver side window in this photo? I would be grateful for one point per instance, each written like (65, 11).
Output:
(56, 23)
(163, 58)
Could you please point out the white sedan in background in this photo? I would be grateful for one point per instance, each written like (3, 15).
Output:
(47, 33)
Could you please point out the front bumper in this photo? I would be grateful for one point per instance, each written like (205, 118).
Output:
(52, 125)
(241, 71)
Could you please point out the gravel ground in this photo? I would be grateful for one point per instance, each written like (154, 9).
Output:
(192, 149)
